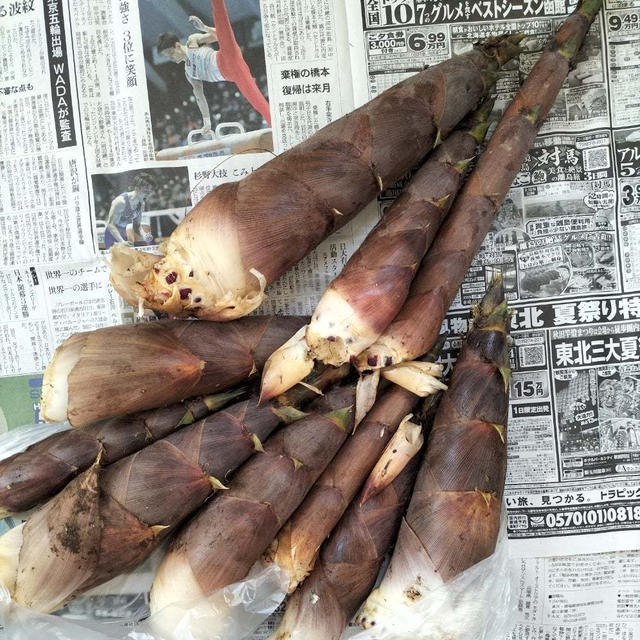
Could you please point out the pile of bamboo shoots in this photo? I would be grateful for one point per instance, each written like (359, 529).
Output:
(305, 478)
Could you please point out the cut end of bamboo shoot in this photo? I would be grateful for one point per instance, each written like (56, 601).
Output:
(286, 366)
(187, 280)
(410, 608)
(379, 355)
(421, 378)
(55, 382)
(174, 576)
(390, 616)
(10, 545)
(405, 443)
(337, 333)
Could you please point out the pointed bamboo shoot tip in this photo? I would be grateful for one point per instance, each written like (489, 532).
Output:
(589, 8)
(438, 138)
(419, 377)
(336, 212)
(341, 417)
(289, 414)
(366, 392)
(216, 401)
(286, 366)
(380, 184)
(487, 497)
(297, 463)
(461, 167)
(98, 461)
(257, 445)
(311, 388)
(484, 110)
(441, 203)
(187, 418)
(404, 444)
(505, 372)
(216, 484)
(479, 132)
(509, 48)
(158, 528)
(500, 429)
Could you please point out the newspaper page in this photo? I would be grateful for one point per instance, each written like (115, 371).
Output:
(565, 241)
(585, 597)
(118, 117)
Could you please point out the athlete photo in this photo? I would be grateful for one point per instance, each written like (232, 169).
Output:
(206, 77)
(140, 207)
(125, 214)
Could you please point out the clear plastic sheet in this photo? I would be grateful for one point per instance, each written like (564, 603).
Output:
(18, 440)
(476, 605)
(119, 610)
(231, 613)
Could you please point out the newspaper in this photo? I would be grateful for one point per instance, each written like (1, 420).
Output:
(117, 117)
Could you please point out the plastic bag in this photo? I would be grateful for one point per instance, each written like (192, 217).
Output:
(230, 613)
(475, 605)
(18, 440)
(119, 610)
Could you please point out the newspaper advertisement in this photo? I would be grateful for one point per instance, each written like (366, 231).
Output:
(562, 240)
(118, 117)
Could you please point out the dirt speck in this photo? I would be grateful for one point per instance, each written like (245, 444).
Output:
(411, 593)
(69, 538)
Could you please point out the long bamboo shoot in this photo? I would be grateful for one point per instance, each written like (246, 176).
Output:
(32, 476)
(347, 566)
(453, 518)
(417, 325)
(243, 235)
(223, 541)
